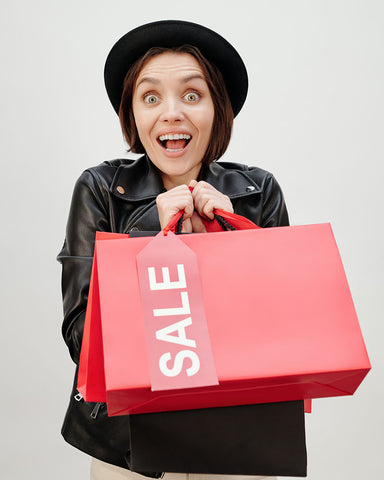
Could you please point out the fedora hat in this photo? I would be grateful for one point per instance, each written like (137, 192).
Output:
(174, 33)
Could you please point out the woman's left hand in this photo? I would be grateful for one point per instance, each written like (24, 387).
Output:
(206, 198)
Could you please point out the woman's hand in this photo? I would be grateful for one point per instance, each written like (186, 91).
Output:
(170, 202)
(200, 203)
(206, 198)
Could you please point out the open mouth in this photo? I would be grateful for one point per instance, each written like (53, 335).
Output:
(174, 142)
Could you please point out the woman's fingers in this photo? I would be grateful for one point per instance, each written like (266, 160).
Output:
(171, 202)
(197, 223)
(187, 226)
(200, 203)
(206, 198)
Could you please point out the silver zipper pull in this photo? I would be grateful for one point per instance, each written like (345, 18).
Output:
(78, 397)
(96, 410)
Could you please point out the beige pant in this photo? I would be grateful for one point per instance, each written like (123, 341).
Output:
(105, 471)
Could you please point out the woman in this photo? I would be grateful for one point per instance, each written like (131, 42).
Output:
(176, 87)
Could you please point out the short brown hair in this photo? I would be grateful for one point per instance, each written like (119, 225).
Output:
(223, 117)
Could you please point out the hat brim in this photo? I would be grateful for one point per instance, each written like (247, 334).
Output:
(174, 33)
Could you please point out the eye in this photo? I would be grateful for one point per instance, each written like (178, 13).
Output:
(192, 97)
(151, 98)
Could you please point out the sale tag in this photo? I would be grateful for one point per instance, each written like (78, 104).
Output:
(179, 348)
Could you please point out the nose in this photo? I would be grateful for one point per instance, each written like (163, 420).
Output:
(172, 111)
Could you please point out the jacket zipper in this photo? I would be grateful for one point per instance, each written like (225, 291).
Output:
(96, 409)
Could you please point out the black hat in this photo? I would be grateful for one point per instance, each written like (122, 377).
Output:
(174, 33)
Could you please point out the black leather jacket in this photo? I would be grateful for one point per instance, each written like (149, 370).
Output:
(120, 196)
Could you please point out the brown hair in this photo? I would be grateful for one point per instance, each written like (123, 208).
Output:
(223, 117)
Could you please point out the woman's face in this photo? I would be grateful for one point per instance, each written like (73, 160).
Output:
(174, 113)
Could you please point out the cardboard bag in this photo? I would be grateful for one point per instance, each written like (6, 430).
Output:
(280, 317)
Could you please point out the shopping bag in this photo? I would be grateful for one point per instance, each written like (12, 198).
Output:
(264, 439)
(281, 320)
(91, 376)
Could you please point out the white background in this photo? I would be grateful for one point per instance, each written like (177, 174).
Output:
(314, 117)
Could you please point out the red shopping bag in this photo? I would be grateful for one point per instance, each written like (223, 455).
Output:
(91, 376)
(280, 317)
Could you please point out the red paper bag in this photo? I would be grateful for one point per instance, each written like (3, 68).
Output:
(280, 317)
(91, 379)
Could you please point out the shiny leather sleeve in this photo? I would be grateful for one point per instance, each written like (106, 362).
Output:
(274, 213)
(88, 213)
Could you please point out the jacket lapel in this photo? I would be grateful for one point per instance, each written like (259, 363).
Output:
(140, 180)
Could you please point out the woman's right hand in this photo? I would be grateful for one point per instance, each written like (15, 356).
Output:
(171, 202)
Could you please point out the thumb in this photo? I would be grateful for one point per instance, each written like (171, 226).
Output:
(192, 184)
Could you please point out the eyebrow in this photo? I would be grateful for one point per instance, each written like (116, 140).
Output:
(186, 79)
(193, 76)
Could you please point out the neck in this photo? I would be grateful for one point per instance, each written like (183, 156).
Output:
(172, 181)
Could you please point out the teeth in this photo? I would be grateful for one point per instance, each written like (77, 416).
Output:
(174, 136)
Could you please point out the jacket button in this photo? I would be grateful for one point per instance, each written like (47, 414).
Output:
(250, 188)
(120, 189)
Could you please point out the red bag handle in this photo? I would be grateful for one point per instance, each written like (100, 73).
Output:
(222, 221)
(230, 220)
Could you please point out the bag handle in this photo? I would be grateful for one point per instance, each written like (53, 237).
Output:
(222, 221)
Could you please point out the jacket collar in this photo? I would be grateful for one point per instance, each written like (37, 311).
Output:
(140, 180)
